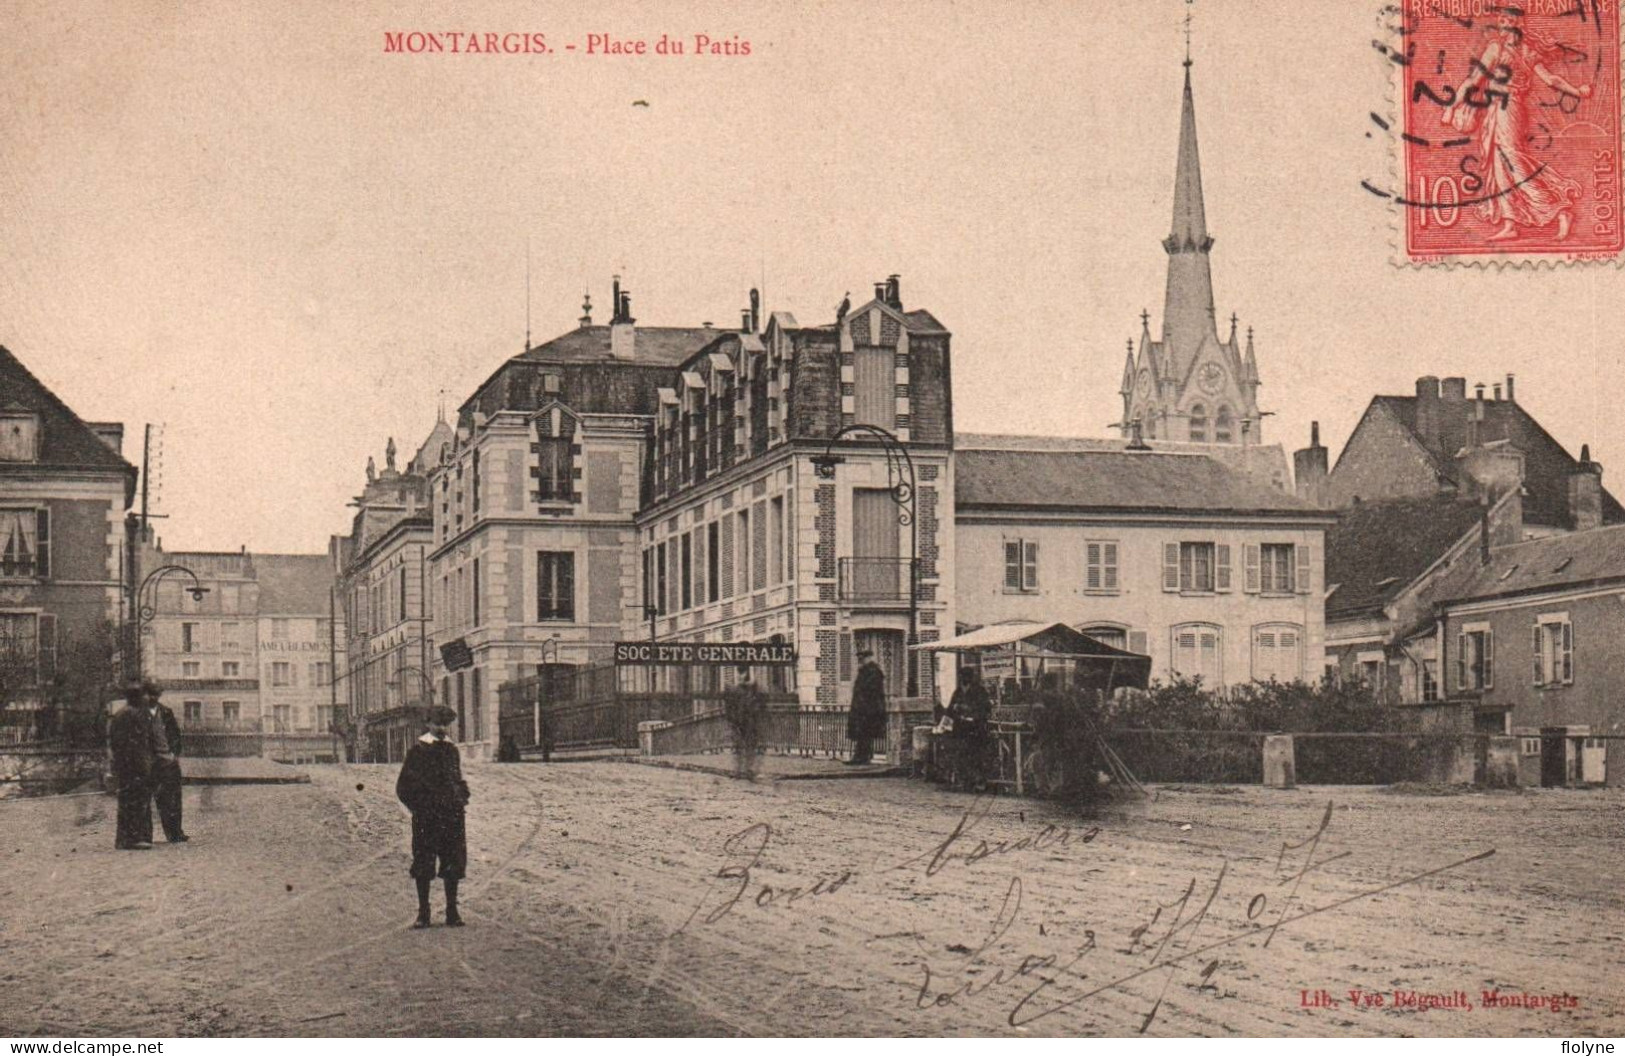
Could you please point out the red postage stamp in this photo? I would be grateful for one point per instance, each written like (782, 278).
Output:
(1511, 130)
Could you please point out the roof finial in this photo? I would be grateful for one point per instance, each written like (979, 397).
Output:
(1189, 7)
(1145, 318)
(441, 415)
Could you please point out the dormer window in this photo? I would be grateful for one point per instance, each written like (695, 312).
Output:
(19, 436)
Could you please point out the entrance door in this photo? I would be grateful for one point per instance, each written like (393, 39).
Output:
(1553, 759)
(888, 649)
(876, 571)
(1593, 761)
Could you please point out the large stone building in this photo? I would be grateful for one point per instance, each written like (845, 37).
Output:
(64, 490)
(383, 574)
(628, 481)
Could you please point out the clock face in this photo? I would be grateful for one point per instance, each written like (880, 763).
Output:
(1211, 378)
(1145, 382)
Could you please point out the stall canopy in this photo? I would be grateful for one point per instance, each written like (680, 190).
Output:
(1023, 649)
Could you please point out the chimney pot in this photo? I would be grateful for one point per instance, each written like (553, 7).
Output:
(1510, 395)
(1314, 434)
(894, 292)
(1497, 391)
(880, 292)
(1453, 390)
(755, 309)
(744, 320)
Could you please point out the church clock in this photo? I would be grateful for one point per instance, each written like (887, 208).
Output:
(1211, 378)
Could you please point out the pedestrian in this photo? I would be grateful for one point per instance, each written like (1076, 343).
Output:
(970, 715)
(167, 776)
(432, 787)
(867, 718)
(129, 738)
(743, 705)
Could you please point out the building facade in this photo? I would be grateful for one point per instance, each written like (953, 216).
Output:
(1173, 555)
(383, 587)
(64, 490)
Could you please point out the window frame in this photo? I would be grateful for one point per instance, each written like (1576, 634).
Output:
(1102, 569)
(561, 585)
(1024, 565)
(1553, 648)
(1483, 664)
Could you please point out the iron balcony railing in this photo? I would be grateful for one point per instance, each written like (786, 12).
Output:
(875, 580)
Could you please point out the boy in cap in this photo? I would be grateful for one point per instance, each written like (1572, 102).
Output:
(432, 787)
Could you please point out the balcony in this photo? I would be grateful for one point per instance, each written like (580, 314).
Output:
(874, 580)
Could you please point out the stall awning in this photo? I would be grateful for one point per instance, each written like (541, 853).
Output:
(1056, 639)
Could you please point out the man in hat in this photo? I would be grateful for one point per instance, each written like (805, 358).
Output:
(167, 775)
(130, 740)
(867, 718)
(743, 705)
(432, 787)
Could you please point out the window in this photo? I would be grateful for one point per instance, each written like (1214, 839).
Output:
(1275, 568)
(660, 578)
(1198, 423)
(1116, 637)
(1475, 657)
(1278, 653)
(474, 489)
(279, 630)
(25, 544)
(230, 669)
(476, 599)
(775, 534)
(555, 585)
(1100, 559)
(281, 673)
(1196, 653)
(1371, 667)
(474, 703)
(1554, 650)
(1430, 681)
(19, 437)
(231, 711)
(1531, 745)
(713, 561)
(401, 599)
(282, 716)
(554, 478)
(228, 636)
(192, 712)
(191, 669)
(320, 673)
(189, 638)
(1020, 565)
(688, 571)
(742, 549)
(1196, 568)
(1223, 427)
(874, 389)
(20, 645)
(323, 719)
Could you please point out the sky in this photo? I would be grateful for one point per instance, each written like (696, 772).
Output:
(253, 225)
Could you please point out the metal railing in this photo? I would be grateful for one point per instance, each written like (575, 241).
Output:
(875, 580)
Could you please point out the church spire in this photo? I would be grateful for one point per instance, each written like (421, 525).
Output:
(1188, 316)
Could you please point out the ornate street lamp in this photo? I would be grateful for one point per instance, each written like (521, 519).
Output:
(900, 486)
(145, 602)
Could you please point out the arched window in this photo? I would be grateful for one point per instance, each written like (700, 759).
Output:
(1197, 652)
(1198, 423)
(1223, 427)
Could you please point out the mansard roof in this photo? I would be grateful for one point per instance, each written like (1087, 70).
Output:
(652, 346)
(66, 441)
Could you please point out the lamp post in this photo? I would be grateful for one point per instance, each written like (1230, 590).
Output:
(542, 681)
(145, 602)
(900, 486)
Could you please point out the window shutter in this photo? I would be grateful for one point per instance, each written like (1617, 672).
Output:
(1540, 660)
(1030, 572)
(1489, 659)
(1170, 567)
(1461, 660)
(1568, 653)
(1137, 642)
(1012, 565)
(1251, 555)
(1302, 582)
(47, 646)
(1221, 561)
(1092, 579)
(42, 543)
(1109, 558)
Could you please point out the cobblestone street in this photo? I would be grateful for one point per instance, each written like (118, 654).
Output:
(846, 907)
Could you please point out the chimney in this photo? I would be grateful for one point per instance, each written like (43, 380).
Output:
(755, 309)
(1137, 441)
(615, 302)
(622, 334)
(1453, 390)
(1309, 468)
(894, 292)
(1585, 492)
(880, 292)
(745, 321)
(1496, 389)
(1484, 533)
(1427, 411)
(1510, 395)
(109, 433)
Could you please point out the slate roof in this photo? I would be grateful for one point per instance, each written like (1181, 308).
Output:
(1553, 562)
(653, 346)
(1266, 463)
(1115, 480)
(65, 440)
(1546, 464)
(293, 584)
(1377, 549)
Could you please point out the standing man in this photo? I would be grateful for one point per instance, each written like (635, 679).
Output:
(129, 737)
(867, 718)
(743, 705)
(167, 793)
(432, 787)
